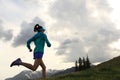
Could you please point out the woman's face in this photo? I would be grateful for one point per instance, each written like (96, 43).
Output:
(42, 31)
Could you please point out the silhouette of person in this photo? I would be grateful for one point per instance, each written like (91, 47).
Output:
(39, 40)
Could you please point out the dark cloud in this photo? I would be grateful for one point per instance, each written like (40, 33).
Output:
(72, 48)
(5, 35)
(26, 31)
(87, 22)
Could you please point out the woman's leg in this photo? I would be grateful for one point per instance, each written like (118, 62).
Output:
(37, 62)
(30, 66)
(43, 69)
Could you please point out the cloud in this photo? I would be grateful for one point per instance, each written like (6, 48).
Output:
(5, 35)
(71, 48)
(26, 32)
(85, 27)
(16, 11)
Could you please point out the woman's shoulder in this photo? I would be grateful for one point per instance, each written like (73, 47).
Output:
(41, 34)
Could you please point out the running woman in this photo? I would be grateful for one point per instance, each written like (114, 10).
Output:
(39, 40)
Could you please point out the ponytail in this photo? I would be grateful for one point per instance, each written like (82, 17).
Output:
(37, 27)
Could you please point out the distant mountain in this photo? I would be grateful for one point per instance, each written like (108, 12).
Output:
(66, 71)
(25, 75)
(28, 75)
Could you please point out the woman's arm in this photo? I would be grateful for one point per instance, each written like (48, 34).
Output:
(47, 41)
(29, 42)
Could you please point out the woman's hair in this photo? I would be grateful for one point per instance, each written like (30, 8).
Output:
(37, 28)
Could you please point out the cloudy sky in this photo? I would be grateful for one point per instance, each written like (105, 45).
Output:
(76, 28)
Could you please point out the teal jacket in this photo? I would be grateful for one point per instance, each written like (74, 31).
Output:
(39, 40)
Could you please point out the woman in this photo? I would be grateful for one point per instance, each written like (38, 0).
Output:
(39, 40)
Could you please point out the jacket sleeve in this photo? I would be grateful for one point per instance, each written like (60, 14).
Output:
(30, 40)
(47, 41)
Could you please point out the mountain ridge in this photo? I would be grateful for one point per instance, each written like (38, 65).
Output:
(108, 70)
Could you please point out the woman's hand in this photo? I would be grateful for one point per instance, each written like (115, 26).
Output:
(30, 50)
(49, 45)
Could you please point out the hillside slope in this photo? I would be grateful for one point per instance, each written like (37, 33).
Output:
(109, 70)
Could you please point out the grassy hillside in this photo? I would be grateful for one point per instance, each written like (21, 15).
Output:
(109, 70)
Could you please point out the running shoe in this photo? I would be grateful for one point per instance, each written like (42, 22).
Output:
(16, 62)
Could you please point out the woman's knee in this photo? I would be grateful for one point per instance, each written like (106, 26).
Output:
(34, 69)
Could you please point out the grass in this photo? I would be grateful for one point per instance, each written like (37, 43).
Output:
(109, 70)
